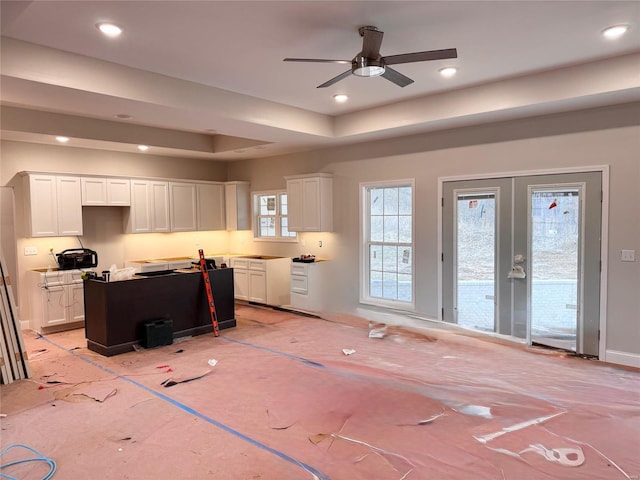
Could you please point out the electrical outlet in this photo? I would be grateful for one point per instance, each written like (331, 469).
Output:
(303, 243)
(31, 250)
(628, 255)
(320, 243)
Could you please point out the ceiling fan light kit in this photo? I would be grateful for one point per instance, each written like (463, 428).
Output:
(369, 62)
(364, 67)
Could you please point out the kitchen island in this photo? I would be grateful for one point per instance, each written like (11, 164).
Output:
(116, 312)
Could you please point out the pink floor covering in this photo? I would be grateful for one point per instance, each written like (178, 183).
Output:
(285, 402)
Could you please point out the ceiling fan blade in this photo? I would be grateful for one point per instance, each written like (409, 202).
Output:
(421, 56)
(396, 77)
(316, 60)
(335, 79)
(372, 39)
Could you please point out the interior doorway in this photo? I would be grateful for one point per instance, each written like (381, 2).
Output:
(521, 257)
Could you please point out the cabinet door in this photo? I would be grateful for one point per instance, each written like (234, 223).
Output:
(75, 302)
(257, 286)
(160, 219)
(241, 284)
(210, 207)
(182, 207)
(118, 192)
(42, 203)
(311, 204)
(69, 195)
(294, 205)
(94, 191)
(140, 213)
(54, 306)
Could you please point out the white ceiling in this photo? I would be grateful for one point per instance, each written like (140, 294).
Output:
(188, 67)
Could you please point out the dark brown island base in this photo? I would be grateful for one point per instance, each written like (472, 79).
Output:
(116, 312)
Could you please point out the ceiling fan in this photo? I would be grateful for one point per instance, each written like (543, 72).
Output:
(369, 62)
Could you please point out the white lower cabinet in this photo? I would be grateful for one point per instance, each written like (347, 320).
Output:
(261, 280)
(56, 299)
(257, 286)
(309, 285)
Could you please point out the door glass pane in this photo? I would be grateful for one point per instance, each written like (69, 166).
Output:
(555, 236)
(476, 259)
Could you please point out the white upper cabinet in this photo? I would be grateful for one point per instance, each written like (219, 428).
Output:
(69, 206)
(119, 192)
(53, 205)
(160, 211)
(106, 191)
(310, 203)
(94, 191)
(182, 206)
(238, 205)
(210, 206)
(149, 210)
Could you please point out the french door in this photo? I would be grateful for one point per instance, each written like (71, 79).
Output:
(521, 257)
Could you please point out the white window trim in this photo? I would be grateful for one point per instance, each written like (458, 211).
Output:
(255, 211)
(364, 256)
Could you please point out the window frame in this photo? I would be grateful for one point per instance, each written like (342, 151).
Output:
(255, 203)
(365, 273)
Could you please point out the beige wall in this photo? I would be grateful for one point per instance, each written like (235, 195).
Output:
(606, 136)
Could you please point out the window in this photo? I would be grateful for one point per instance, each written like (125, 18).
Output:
(388, 245)
(270, 212)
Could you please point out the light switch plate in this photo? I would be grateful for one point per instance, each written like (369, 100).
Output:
(30, 250)
(628, 255)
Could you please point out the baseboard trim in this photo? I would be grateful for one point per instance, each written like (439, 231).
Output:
(623, 358)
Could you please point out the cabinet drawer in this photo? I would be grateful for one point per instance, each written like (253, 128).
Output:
(260, 265)
(298, 268)
(299, 284)
(242, 263)
(54, 278)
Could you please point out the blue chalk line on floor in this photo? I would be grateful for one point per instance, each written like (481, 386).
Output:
(317, 475)
(277, 352)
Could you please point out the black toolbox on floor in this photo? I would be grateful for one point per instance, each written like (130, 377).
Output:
(157, 333)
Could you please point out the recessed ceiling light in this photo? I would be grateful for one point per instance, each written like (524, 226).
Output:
(62, 139)
(615, 31)
(143, 148)
(340, 98)
(124, 116)
(109, 29)
(448, 71)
